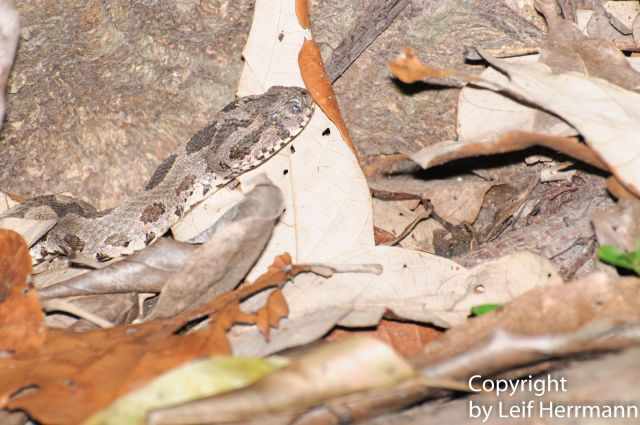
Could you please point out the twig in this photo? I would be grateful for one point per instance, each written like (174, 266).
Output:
(373, 21)
(68, 307)
(424, 215)
(471, 54)
(328, 270)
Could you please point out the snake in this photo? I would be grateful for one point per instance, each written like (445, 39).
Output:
(243, 135)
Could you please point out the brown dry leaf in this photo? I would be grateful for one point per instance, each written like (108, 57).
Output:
(407, 338)
(591, 314)
(484, 115)
(487, 120)
(302, 13)
(409, 69)
(77, 374)
(224, 260)
(319, 85)
(381, 236)
(555, 312)
(612, 377)
(457, 199)
(512, 141)
(419, 287)
(605, 114)
(22, 327)
(363, 405)
(568, 49)
(278, 308)
(144, 271)
(316, 79)
(489, 138)
(617, 190)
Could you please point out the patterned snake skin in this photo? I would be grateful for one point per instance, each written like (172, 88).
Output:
(243, 135)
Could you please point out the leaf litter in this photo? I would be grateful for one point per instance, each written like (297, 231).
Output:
(347, 281)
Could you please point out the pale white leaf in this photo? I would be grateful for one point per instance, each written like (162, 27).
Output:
(329, 219)
(607, 116)
(414, 285)
(328, 206)
(483, 114)
(31, 230)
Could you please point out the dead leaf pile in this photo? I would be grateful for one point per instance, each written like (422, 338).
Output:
(159, 337)
(66, 365)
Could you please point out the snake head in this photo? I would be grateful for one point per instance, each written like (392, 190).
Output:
(287, 108)
(284, 114)
(270, 121)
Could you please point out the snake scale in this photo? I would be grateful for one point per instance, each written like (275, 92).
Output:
(243, 135)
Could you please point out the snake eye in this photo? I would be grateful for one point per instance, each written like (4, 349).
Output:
(295, 107)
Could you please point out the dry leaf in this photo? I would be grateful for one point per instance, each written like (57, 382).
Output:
(591, 314)
(144, 272)
(491, 122)
(420, 287)
(580, 382)
(73, 375)
(512, 141)
(484, 116)
(22, 327)
(319, 85)
(302, 13)
(457, 199)
(567, 49)
(225, 259)
(323, 184)
(409, 69)
(339, 368)
(277, 307)
(406, 338)
(606, 115)
(197, 379)
(545, 312)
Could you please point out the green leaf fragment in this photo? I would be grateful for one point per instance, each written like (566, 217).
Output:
(479, 310)
(615, 256)
(198, 379)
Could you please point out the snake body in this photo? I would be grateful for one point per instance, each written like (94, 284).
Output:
(243, 135)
